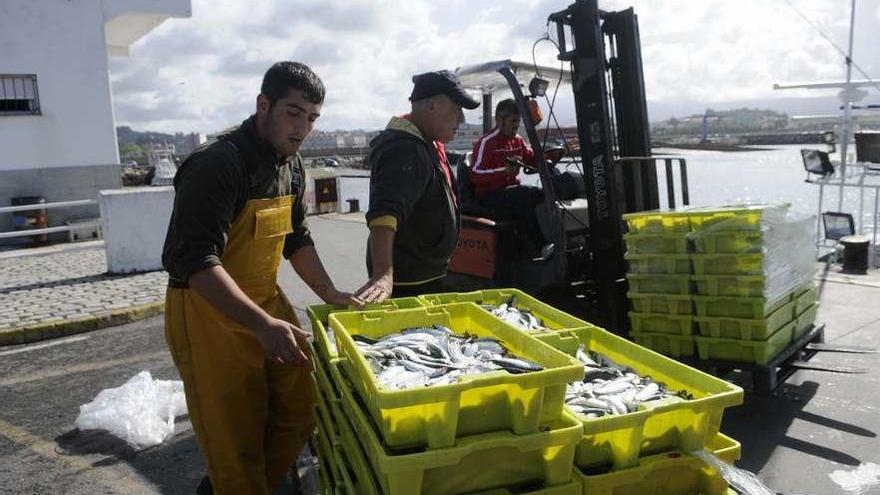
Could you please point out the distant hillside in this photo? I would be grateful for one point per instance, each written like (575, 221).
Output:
(814, 105)
(133, 144)
(127, 135)
(737, 120)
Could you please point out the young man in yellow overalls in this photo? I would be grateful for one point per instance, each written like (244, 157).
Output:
(232, 333)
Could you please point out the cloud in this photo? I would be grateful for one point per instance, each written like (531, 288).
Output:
(203, 73)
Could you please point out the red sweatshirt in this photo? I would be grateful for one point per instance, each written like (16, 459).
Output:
(488, 169)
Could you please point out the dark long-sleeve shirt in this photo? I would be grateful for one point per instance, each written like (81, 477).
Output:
(212, 187)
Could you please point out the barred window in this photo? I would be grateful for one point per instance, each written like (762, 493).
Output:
(18, 95)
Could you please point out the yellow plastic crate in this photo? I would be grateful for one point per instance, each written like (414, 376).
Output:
(657, 222)
(741, 307)
(349, 483)
(745, 328)
(728, 264)
(363, 470)
(671, 473)
(660, 323)
(475, 463)
(746, 351)
(318, 314)
(321, 373)
(330, 445)
(730, 285)
(672, 304)
(666, 343)
(659, 284)
(806, 320)
(322, 449)
(553, 318)
(659, 264)
(725, 448)
(355, 469)
(734, 217)
(326, 485)
(726, 220)
(657, 426)
(327, 452)
(325, 418)
(727, 242)
(656, 243)
(486, 402)
(805, 298)
(573, 487)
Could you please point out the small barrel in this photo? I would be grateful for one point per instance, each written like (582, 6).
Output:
(31, 219)
(855, 253)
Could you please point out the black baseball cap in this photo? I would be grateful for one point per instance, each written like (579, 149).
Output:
(441, 82)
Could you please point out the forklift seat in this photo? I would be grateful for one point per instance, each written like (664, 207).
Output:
(470, 207)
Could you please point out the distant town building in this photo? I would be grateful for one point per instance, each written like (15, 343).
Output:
(324, 140)
(465, 137)
(187, 143)
(57, 127)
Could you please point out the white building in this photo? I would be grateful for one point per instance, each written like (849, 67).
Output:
(324, 140)
(465, 137)
(189, 143)
(57, 129)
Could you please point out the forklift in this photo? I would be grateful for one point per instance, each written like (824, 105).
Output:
(585, 274)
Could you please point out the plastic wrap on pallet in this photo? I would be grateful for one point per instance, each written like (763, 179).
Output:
(767, 240)
(791, 256)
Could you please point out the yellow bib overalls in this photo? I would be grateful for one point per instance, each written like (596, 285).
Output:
(251, 416)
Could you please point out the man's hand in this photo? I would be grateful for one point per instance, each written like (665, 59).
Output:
(340, 298)
(282, 341)
(554, 154)
(377, 289)
(513, 164)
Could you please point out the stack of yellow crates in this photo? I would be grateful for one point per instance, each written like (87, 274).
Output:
(753, 275)
(649, 450)
(500, 434)
(660, 282)
(750, 282)
(491, 432)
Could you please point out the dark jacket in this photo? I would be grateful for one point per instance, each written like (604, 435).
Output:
(212, 187)
(408, 183)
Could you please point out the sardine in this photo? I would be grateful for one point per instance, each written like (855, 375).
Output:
(609, 388)
(520, 318)
(515, 365)
(431, 356)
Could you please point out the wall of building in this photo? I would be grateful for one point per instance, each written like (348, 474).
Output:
(57, 184)
(63, 44)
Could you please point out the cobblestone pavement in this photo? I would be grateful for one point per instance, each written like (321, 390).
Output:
(69, 285)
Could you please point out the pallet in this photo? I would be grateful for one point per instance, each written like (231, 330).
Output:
(767, 377)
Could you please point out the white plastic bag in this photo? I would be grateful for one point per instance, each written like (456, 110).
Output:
(744, 481)
(141, 411)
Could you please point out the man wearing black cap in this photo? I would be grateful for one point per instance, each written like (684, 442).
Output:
(414, 211)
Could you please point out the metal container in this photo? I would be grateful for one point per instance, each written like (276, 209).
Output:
(30, 219)
(868, 146)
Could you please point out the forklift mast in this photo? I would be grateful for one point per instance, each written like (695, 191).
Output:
(612, 120)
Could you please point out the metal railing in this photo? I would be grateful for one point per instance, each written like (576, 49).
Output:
(670, 176)
(48, 206)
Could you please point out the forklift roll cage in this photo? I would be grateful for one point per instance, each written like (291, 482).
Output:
(604, 54)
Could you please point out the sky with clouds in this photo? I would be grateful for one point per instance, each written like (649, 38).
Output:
(202, 74)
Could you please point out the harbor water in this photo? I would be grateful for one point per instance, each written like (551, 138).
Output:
(771, 174)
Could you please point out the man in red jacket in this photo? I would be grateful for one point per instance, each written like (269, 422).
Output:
(494, 173)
